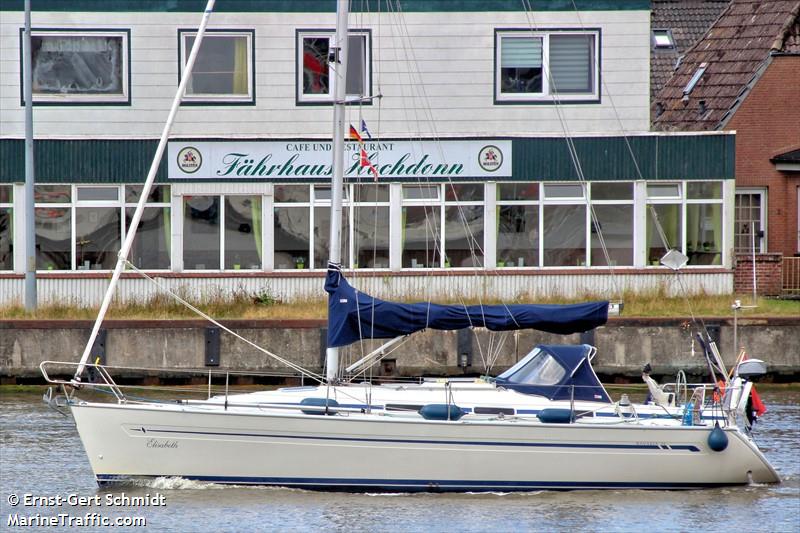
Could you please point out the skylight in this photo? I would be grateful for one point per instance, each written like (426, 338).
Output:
(663, 40)
(695, 78)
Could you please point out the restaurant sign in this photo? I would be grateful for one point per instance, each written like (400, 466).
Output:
(311, 159)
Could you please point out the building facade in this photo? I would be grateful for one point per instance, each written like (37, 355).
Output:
(744, 75)
(504, 141)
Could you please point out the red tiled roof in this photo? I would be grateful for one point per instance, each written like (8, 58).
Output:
(736, 50)
(688, 20)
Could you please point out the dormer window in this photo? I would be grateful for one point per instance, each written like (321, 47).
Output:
(663, 40)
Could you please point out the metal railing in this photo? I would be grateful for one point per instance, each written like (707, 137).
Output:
(791, 276)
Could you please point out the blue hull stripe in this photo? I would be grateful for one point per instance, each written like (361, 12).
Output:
(667, 447)
(417, 485)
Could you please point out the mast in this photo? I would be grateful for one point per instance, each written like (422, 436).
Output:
(338, 58)
(122, 257)
(30, 175)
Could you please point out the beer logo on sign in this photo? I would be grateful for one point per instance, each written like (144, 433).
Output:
(490, 158)
(190, 160)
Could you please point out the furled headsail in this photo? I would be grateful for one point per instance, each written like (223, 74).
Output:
(354, 315)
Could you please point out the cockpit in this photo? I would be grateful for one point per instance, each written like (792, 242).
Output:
(557, 372)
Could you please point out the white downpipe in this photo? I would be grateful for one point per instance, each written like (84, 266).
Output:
(339, 95)
(151, 176)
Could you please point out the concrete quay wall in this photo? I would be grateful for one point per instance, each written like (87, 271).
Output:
(167, 347)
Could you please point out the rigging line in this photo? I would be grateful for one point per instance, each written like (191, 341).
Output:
(502, 338)
(428, 209)
(472, 241)
(635, 161)
(377, 360)
(200, 313)
(573, 153)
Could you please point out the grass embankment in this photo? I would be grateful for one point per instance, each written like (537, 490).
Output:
(264, 306)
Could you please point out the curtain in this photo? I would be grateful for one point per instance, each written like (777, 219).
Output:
(255, 213)
(240, 69)
(168, 236)
(521, 52)
(571, 63)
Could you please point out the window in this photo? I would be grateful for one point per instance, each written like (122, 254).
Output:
(98, 227)
(79, 66)
(151, 246)
(547, 66)
(222, 232)
(223, 70)
(749, 220)
(612, 203)
(664, 220)
(442, 225)
(321, 234)
(301, 219)
(695, 78)
(564, 225)
(537, 368)
(517, 224)
(689, 217)
(315, 75)
(292, 226)
(370, 226)
(6, 228)
(53, 226)
(662, 40)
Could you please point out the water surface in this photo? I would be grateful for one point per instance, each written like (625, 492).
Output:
(42, 455)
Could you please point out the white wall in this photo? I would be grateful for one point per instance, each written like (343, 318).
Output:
(453, 54)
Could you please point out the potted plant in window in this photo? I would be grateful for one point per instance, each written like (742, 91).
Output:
(299, 263)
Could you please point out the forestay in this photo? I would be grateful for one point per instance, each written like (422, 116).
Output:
(354, 315)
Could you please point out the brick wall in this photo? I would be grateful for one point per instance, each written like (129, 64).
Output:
(768, 123)
(769, 274)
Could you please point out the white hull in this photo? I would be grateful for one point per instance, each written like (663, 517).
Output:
(468, 395)
(381, 452)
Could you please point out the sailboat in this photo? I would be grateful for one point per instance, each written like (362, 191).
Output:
(545, 423)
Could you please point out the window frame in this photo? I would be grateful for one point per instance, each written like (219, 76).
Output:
(165, 203)
(73, 99)
(327, 99)
(546, 97)
(439, 221)
(563, 201)
(121, 204)
(223, 99)
(77, 204)
(610, 202)
(655, 32)
(537, 203)
(761, 242)
(683, 202)
(9, 205)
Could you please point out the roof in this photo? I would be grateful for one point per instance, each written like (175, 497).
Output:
(726, 63)
(688, 21)
(792, 156)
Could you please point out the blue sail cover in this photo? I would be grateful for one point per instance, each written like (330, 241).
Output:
(354, 315)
